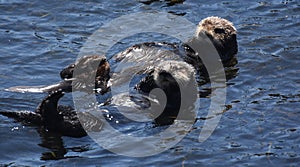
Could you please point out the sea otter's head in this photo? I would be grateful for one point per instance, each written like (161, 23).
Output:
(92, 70)
(170, 74)
(222, 33)
(177, 80)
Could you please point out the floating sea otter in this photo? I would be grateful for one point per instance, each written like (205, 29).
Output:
(220, 31)
(177, 80)
(162, 94)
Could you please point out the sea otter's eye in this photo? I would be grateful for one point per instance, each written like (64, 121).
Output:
(219, 30)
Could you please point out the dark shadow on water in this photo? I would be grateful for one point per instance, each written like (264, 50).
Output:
(54, 142)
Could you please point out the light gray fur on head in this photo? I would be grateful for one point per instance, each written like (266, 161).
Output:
(209, 24)
(222, 34)
(179, 70)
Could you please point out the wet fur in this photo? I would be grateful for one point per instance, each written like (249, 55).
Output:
(59, 119)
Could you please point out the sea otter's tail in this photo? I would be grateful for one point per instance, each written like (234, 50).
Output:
(24, 116)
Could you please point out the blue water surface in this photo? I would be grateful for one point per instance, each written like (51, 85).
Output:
(260, 127)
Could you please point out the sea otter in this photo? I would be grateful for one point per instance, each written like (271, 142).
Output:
(221, 33)
(177, 80)
(57, 118)
(85, 67)
(161, 93)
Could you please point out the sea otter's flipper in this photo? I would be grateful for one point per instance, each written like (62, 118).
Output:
(46, 113)
(24, 116)
(48, 107)
(65, 86)
(64, 119)
(52, 119)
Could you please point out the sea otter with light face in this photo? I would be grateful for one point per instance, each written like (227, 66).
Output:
(222, 33)
(177, 80)
(219, 31)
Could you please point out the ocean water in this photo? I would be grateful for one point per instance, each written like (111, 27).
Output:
(259, 127)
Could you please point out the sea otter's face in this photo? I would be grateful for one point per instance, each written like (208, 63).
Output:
(222, 33)
(177, 91)
(171, 74)
(89, 65)
(103, 70)
(102, 76)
